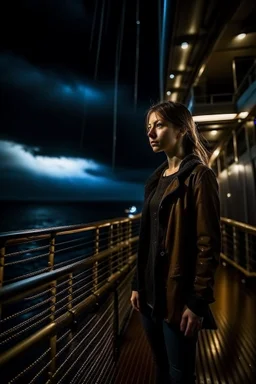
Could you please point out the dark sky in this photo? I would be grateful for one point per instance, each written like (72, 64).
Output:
(52, 88)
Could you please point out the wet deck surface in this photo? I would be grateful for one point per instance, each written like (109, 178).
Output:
(227, 355)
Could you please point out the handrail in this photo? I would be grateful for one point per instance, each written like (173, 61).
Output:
(239, 246)
(20, 289)
(53, 278)
(16, 237)
(243, 226)
(63, 321)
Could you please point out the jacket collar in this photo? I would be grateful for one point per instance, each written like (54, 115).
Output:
(186, 167)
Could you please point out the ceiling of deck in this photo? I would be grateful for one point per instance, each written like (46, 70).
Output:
(210, 31)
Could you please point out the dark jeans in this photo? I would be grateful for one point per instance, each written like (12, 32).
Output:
(173, 353)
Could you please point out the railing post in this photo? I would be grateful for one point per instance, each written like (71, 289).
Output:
(70, 290)
(235, 247)
(247, 252)
(110, 245)
(95, 275)
(53, 339)
(129, 238)
(224, 240)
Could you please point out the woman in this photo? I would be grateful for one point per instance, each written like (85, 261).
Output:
(179, 244)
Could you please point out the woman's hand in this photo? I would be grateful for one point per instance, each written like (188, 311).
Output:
(135, 300)
(190, 323)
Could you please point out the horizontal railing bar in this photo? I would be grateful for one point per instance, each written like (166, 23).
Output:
(66, 319)
(237, 266)
(20, 289)
(245, 227)
(18, 237)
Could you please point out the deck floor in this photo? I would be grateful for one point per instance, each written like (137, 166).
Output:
(226, 356)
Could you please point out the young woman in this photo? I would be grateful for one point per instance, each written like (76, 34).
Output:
(179, 244)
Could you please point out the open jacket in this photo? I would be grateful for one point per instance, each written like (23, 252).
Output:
(189, 219)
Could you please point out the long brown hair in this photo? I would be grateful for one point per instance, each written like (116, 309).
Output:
(179, 116)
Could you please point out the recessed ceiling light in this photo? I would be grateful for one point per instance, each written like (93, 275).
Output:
(168, 93)
(214, 132)
(184, 45)
(172, 76)
(241, 36)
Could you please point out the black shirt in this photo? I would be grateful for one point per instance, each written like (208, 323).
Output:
(154, 227)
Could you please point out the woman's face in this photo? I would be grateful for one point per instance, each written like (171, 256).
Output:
(163, 135)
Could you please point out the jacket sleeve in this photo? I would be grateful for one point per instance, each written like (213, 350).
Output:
(207, 222)
(134, 284)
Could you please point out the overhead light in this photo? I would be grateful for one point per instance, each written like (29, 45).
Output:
(217, 117)
(168, 93)
(138, 22)
(172, 76)
(243, 115)
(214, 132)
(228, 194)
(184, 45)
(241, 36)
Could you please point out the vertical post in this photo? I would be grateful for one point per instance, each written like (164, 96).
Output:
(70, 290)
(118, 242)
(129, 239)
(234, 75)
(247, 252)
(95, 271)
(235, 248)
(110, 245)
(53, 339)
(224, 240)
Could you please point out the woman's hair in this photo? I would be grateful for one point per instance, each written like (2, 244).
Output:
(179, 115)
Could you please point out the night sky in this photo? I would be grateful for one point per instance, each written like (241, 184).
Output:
(52, 90)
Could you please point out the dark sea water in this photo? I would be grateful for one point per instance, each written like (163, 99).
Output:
(31, 215)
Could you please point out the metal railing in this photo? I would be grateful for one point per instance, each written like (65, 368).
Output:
(65, 293)
(239, 246)
(64, 301)
(214, 98)
(230, 98)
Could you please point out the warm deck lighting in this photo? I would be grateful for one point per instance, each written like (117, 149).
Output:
(184, 45)
(241, 36)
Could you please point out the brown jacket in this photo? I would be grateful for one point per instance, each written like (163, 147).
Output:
(189, 218)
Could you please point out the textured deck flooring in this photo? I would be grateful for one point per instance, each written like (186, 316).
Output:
(226, 356)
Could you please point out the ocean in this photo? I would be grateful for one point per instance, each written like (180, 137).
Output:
(33, 215)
